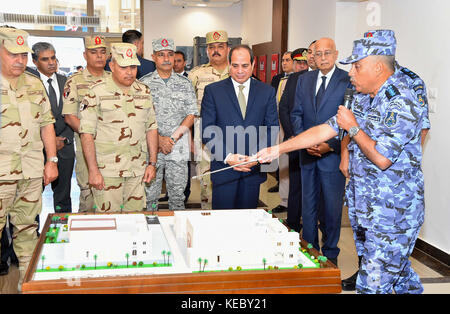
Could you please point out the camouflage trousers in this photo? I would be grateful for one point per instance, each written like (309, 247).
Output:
(120, 195)
(176, 175)
(203, 166)
(385, 265)
(82, 174)
(22, 201)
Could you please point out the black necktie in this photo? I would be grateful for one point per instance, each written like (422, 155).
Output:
(321, 91)
(52, 93)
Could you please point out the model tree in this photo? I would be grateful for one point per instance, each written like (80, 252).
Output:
(168, 257)
(164, 255)
(127, 256)
(205, 261)
(200, 263)
(95, 260)
(264, 262)
(43, 258)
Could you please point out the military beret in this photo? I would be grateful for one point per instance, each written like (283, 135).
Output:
(14, 40)
(300, 54)
(92, 42)
(216, 37)
(163, 44)
(124, 54)
(374, 43)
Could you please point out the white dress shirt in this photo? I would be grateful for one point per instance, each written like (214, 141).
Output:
(245, 91)
(44, 79)
(319, 78)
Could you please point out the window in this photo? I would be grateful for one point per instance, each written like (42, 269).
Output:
(134, 253)
(118, 16)
(113, 16)
(75, 8)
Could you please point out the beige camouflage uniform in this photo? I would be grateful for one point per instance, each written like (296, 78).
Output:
(200, 77)
(119, 123)
(25, 109)
(77, 86)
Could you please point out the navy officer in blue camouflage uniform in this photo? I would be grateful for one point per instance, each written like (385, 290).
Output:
(417, 85)
(387, 192)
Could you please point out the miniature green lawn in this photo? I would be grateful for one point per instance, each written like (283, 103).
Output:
(101, 268)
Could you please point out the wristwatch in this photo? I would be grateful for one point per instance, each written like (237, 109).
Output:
(53, 159)
(151, 163)
(173, 139)
(353, 131)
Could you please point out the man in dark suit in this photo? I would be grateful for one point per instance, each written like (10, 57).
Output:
(45, 60)
(319, 94)
(179, 65)
(134, 37)
(294, 208)
(239, 114)
(287, 66)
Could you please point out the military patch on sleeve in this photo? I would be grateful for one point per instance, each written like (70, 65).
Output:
(391, 119)
(66, 92)
(391, 92)
(84, 104)
(422, 100)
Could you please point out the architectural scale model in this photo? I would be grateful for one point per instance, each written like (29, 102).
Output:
(232, 238)
(79, 246)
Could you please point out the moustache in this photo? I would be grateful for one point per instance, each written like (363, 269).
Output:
(216, 54)
(18, 65)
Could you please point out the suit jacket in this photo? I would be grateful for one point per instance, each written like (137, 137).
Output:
(287, 103)
(62, 129)
(307, 114)
(220, 109)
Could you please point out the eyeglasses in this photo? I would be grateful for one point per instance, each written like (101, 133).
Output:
(327, 53)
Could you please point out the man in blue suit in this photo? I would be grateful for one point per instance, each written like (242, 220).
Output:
(239, 116)
(319, 94)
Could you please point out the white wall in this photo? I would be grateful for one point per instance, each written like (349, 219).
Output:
(310, 20)
(256, 21)
(162, 19)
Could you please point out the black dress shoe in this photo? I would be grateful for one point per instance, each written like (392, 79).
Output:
(274, 189)
(164, 198)
(4, 268)
(279, 209)
(349, 284)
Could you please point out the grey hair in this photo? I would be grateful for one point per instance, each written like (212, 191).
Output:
(39, 47)
(389, 61)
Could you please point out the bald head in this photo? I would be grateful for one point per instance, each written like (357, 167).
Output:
(370, 73)
(325, 55)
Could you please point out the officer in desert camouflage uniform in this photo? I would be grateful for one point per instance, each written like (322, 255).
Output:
(214, 71)
(119, 134)
(26, 128)
(74, 91)
(175, 107)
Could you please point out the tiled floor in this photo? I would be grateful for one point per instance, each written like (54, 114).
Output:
(347, 257)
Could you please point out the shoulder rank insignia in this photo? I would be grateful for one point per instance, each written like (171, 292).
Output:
(391, 92)
(410, 73)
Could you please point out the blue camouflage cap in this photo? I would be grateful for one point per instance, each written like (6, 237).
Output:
(374, 43)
